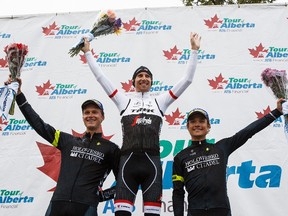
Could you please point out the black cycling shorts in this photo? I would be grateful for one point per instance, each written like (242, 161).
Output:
(139, 171)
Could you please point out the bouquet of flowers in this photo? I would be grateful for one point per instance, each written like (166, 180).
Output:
(276, 81)
(105, 24)
(16, 53)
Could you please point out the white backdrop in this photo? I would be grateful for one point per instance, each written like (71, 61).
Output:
(238, 43)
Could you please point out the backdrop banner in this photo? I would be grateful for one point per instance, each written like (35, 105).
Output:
(238, 43)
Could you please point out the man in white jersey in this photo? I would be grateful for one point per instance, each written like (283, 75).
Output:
(141, 118)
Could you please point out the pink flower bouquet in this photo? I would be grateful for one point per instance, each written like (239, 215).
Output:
(276, 81)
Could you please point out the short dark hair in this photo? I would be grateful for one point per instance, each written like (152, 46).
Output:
(139, 70)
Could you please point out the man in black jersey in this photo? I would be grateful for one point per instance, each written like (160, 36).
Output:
(201, 167)
(85, 161)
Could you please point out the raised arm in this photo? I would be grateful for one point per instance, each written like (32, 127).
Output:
(165, 100)
(118, 98)
(43, 129)
(186, 80)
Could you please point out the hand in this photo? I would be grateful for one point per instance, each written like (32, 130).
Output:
(195, 40)
(285, 108)
(86, 46)
(107, 194)
(9, 81)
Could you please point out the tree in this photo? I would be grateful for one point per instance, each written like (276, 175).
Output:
(224, 2)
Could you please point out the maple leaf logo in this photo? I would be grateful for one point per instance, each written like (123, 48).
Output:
(2, 122)
(213, 22)
(3, 63)
(51, 29)
(83, 58)
(131, 25)
(259, 52)
(218, 82)
(52, 158)
(128, 87)
(172, 54)
(42, 90)
(265, 112)
(52, 161)
(174, 118)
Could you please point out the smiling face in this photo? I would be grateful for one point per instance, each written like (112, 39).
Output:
(92, 118)
(198, 127)
(142, 82)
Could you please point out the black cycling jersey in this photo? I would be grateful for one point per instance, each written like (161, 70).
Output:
(85, 161)
(141, 125)
(201, 168)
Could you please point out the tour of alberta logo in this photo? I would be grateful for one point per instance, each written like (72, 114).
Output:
(106, 59)
(228, 24)
(14, 127)
(59, 90)
(174, 55)
(139, 27)
(269, 54)
(29, 64)
(63, 31)
(233, 85)
(178, 120)
(12, 198)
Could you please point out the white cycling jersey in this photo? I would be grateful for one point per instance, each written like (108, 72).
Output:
(141, 113)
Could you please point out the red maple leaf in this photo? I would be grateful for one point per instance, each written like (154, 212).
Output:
(130, 26)
(83, 58)
(175, 115)
(210, 23)
(3, 62)
(217, 83)
(50, 30)
(170, 55)
(258, 52)
(128, 87)
(42, 89)
(52, 161)
(2, 122)
(265, 112)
